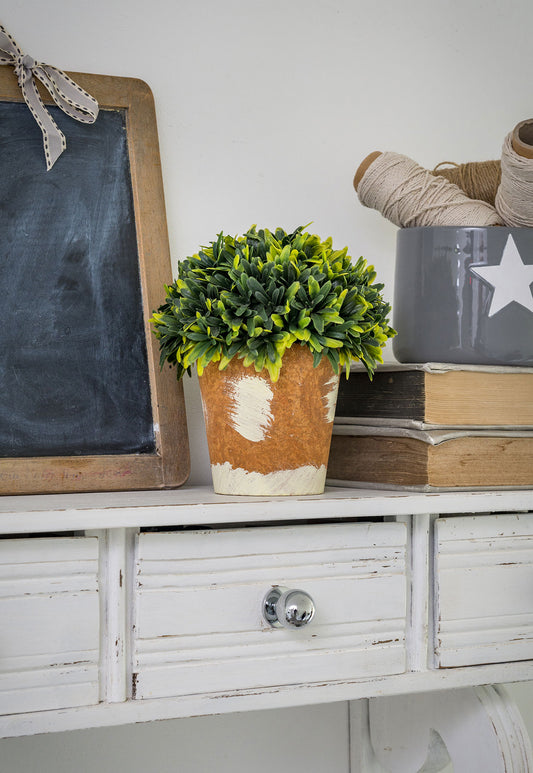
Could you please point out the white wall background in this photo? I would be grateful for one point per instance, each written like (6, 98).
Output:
(265, 110)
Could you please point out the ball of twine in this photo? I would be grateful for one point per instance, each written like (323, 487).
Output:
(409, 195)
(478, 179)
(514, 199)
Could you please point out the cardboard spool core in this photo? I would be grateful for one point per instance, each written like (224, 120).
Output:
(363, 166)
(522, 138)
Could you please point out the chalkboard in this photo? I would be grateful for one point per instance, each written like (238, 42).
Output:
(83, 259)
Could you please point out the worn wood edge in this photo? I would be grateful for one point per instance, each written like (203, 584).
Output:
(168, 402)
(79, 474)
(199, 506)
(419, 633)
(509, 725)
(170, 466)
(147, 710)
(110, 91)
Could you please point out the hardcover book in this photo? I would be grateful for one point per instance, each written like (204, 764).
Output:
(439, 459)
(438, 395)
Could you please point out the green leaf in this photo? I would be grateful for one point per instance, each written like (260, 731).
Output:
(333, 357)
(333, 343)
(318, 322)
(196, 352)
(272, 352)
(292, 290)
(314, 287)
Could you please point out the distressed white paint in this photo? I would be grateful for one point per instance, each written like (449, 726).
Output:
(419, 558)
(363, 758)
(199, 624)
(49, 638)
(330, 399)
(114, 545)
(249, 407)
(272, 697)
(483, 589)
(303, 480)
(478, 729)
(213, 567)
(195, 505)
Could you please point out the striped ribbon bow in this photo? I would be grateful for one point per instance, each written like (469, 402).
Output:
(67, 95)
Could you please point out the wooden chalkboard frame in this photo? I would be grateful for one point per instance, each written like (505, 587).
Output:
(168, 465)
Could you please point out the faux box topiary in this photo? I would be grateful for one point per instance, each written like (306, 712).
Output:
(257, 307)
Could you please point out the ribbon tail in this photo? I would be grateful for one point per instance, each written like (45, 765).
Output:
(53, 138)
(56, 145)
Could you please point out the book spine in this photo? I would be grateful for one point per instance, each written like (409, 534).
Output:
(390, 395)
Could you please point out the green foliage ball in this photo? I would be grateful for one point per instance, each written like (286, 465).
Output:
(254, 296)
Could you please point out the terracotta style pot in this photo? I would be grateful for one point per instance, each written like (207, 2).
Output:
(269, 438)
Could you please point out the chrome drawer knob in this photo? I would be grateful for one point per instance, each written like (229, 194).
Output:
(285, 608)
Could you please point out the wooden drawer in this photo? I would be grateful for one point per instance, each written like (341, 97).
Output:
(198, 607)
(483, 589)
(49, 638)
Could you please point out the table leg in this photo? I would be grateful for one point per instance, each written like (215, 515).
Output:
(471, 730)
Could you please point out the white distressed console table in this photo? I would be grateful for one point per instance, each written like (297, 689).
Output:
(131, 607)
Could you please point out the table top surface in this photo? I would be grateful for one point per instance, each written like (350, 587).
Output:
(199, 505)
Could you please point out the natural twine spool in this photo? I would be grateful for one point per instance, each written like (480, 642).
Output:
(409, 195)
(478, 179)
(514, 199)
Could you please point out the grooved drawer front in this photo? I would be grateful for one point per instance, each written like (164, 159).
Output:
(483, 589)
(198, 619)
(49, 638)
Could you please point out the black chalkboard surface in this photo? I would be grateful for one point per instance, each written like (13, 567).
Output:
(75, 374)
(82, 396)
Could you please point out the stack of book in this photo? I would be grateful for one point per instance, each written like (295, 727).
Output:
(434, 427)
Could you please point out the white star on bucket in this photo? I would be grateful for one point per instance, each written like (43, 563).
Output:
(510, 279)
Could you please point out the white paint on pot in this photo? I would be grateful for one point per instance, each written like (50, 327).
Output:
(249, 411)
(331, 397)
(303, 480)
(205, 412)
